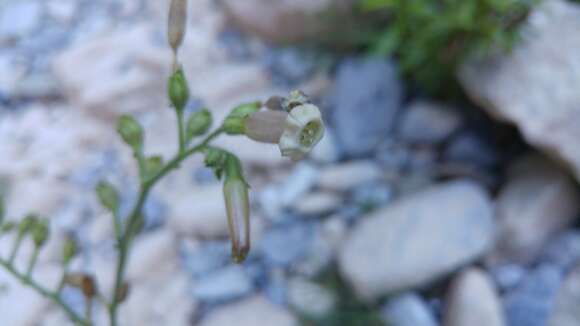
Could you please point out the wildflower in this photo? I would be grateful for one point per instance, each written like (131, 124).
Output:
(176, 23)
(237, 208)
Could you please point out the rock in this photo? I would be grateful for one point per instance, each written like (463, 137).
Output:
(250, 312)
(285, 244)
(507, 277)
(346, 176)
(223, 285)
(153, 254)
(19, 19)
(470, 148)
(317, 203)
(533, 87)
(409, 244)
(473, 301)
(207, 258)
(309, 298)
(291, 21)
(372, 195)
(62, 10)
(289, 66)
(531, 303)
(365, 101)
(537, 202)
(200, 212)
(566, 312)
(408, 309)
(564, 250)
(427, 123)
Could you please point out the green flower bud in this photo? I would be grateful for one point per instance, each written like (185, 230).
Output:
(40, 232)
(131, 132)
(178, 90)
(152, 165)
(108, 196)
(237, 208)
(234, 124)
(215, 158)
(26, 225)
(198, 124)
(176, 23)
(69, 250)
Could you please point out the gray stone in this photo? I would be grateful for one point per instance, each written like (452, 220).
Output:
(309, 298)
(365, 100)
(418, 239)
(532, 302)
(372, 195)
(226, 284)
(18, 19)
(427, 123)
(207, 258)
(285, 244)
(537, 202)
(346, 176)
(473, 300)
(250, 312)
(289, 66)
(566, 308)
(470, 148)
(317, 203)
(534, 86)
(507, 277)
(564, 250)
(408, 309)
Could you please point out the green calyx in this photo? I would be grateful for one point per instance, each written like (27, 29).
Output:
(131, 132)
(198, 124)
(178, 90)
(234, 124)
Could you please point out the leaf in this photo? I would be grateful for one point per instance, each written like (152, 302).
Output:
(108, 196)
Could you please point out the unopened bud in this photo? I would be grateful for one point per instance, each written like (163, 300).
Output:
(122, 292)
(108, 196)
(40, 232)
(69, 250)
(131, 132)
(198, 124)
(234, 124)
(178, 90)
(176, 23)
(26, 225)
(237, 209)
(84, 282)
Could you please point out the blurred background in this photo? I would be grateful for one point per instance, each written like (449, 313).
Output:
(443, 193)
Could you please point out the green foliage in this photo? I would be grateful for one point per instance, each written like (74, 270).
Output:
(349, 310)
(431, 38)
(108, 196)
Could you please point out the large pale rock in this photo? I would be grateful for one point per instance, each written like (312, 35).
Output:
(408, 309)
(250, 312)
(473, 301)
(535, 87)
(538, 201)
(566, 312)
(418, 239)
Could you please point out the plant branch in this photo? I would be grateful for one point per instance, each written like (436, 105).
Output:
(51, 295)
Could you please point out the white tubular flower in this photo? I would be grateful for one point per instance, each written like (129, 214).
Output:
(296, 132)
(304, 129)
(176, 23)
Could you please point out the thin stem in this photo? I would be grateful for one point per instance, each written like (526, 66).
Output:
(15, 248)
(32, 261)
(125, 239)
(53, 296)
(62, 280)
(180, 129)
(89, 308)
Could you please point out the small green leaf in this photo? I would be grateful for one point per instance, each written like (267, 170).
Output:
(131, 132)
(27, 224)
(40, 232)
(108, 196)
(198, 124)
(152, 165)
(215, 159)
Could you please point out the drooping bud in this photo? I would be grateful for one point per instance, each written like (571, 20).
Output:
(69, 250)
(131, 132)
(198, 124)
(237, 208)
(234, 124)
(266, 126)
(40, 232)
(84, 282)
(178, 89)
(176, 23)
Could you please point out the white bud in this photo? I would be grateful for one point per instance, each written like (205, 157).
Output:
(176, 23)
(266, 126)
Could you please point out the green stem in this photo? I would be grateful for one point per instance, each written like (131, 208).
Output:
(180, 129)
(125, 239)
(53, 296)
(32, 261)
(15, 248)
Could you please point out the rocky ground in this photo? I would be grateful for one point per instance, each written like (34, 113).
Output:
(409, 213)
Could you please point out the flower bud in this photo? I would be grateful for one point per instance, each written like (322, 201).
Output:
(123, 292)
(198, 124)
(84, 282)
(304, 129)
(69, 250)
(40, 232)
(237, 209)
(131, 132)
(266, 126)
(26, 225)
(176, 23)
(215, 159)
(178, 90)
(234, 124)
(108, 196)
(7, 227)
